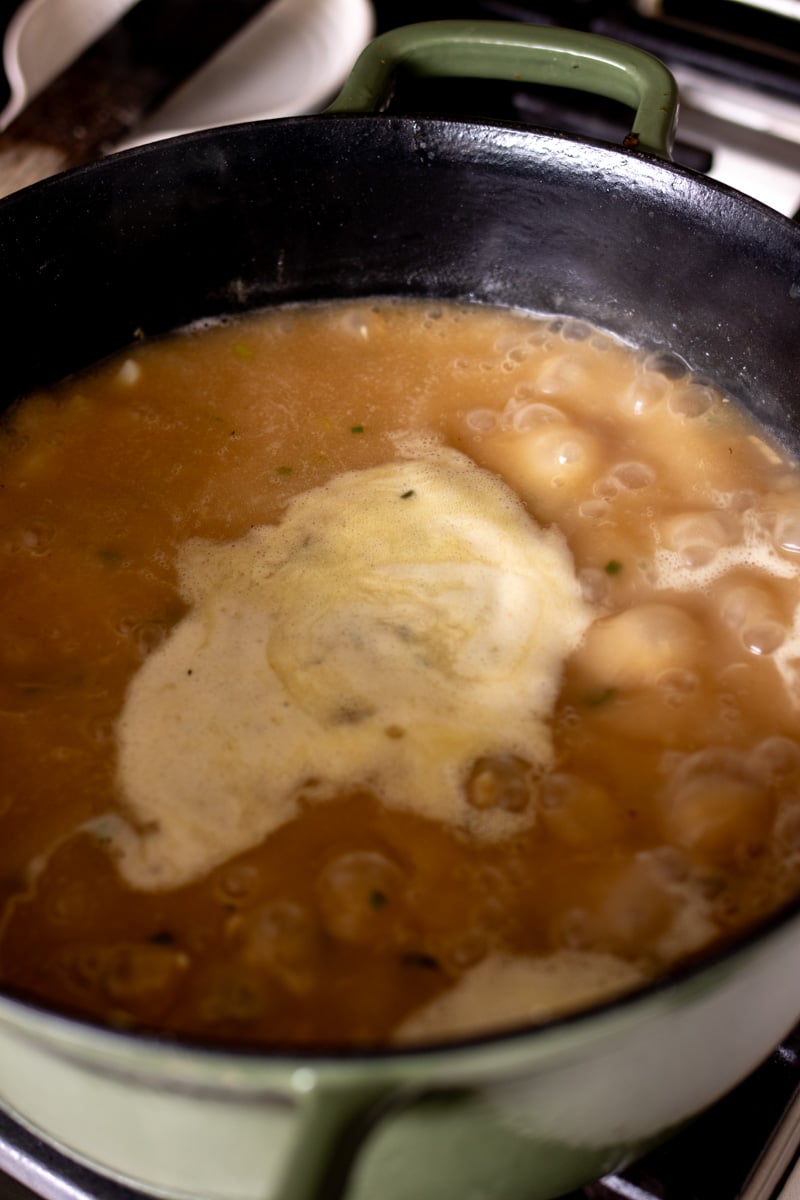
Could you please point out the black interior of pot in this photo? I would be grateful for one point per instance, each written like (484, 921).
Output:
(316, 207)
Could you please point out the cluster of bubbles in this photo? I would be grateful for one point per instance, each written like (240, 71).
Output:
(695, 547)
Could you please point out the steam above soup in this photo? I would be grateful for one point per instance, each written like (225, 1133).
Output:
(375, 671)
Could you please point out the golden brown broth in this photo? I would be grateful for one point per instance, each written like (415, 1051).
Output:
(671, 816)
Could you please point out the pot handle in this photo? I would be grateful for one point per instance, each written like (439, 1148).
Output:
(519, 52)
(332, 1125)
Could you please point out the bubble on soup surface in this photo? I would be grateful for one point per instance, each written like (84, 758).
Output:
(751, 612)
(233, 994)
(282, 938)
(35, 538)
(699, 536)
(147, 636)
(668, 863)
(540, 337)
(500, 781)
(531, 416)
(238, 884)
(361, 895)
(776, 758)
(594, 510)
(763, 638)
(718, 813)
(643, 394)
(666, 363)
(633, 475)
(463, 948)
(482, 420)
(515, 351)
(678, 685)
(575, 331)
(690, 401)
(484, 926)
(357, 323)
(138, 974)
(633, 647)
(786, 830)
(786, 531)
(557, 455)
(579, 813)
(635, 908)
(594, 584)
(563, 373)
(507, 343)
(141, 978)
(739, 501)
(692, 924)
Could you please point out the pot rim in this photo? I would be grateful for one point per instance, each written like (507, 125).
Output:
(414, 122)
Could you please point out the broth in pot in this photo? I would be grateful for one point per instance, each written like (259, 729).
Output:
(384, 671)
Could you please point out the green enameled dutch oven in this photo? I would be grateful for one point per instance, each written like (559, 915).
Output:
(349, 203)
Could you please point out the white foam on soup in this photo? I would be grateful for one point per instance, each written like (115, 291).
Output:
(504, 991)
(753, 552)
(398, 624)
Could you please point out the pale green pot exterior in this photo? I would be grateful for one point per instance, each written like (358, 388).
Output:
(526, 1116)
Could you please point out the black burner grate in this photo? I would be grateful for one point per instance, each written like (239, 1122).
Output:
(714, 1158)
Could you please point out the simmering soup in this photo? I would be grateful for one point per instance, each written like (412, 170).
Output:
(380, 671)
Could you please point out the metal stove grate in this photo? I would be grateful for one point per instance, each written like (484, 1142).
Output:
(743, 1148)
